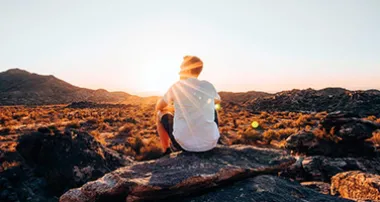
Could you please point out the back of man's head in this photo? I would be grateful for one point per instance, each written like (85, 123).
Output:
(191, 65)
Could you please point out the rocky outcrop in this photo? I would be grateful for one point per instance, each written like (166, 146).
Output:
(341, 137)
(360, 103)
(181, 174)
(321, 168)
(46, 164)
(263, 188)
(356, 185)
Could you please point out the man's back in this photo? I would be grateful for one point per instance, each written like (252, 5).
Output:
(194, 127)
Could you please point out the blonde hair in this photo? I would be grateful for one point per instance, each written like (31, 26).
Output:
(191, 65)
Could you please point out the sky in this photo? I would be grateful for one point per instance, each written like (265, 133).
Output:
(137, 46)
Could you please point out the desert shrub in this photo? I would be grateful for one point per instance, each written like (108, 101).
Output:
(303, 120)
(74, 124)
(250, 136)
(152, 150)
(98, 137)
(3, 120)
(110, 121)
(323, 134)
(92, 121)
(126, 128)
(5, 131)
(308, 128)
(104, 127)
(376, 138)
(130, 120)
(264, 115)
(269, 135)
(122, 149)
(371, 118)
(284, 123)
(6, 165)
(321, 115)
(135, 143)
(282, 134)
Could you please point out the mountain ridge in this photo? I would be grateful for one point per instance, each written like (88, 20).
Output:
(20, 87)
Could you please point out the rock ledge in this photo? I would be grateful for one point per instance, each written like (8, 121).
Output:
(181, 174)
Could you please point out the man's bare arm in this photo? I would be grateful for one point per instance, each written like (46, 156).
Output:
(161, 104)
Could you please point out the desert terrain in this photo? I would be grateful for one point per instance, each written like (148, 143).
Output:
(313, 145)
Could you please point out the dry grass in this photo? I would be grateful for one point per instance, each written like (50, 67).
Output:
(376, 138)
(131, 131)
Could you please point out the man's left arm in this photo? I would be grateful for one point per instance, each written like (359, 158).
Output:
(161, 104)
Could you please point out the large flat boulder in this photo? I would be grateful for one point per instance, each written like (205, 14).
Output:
(181, 174)
(263, 188)
(356, 185)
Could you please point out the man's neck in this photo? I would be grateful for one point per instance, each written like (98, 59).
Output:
(187, 77)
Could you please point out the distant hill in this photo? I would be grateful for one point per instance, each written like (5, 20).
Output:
(19, 87)
(242, 97)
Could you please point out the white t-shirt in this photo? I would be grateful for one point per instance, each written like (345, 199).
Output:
(194, 127)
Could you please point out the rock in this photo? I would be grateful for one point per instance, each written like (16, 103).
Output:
(359, 103)
(49, 164)
(302, 142)
(349, 128)
(263, 188)
(321, 168)
(347, 138)
(356, 185)
(321, 187)
(181, 174)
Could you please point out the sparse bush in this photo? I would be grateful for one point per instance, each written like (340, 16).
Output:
(371, 118)
(269, 135)
(282, 134)
(376, 138)
(130, 120)
(136, 144)
(98, 137)
(74, 125)
(5, 131)
(249, 137)
(152, 150)
(126, 128)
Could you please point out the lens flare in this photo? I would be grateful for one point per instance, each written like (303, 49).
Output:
(255, 124)
(218, 107)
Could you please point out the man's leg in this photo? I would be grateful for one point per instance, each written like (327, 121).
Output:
(163, 131)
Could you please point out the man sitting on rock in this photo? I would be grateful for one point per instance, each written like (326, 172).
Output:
(194, 127)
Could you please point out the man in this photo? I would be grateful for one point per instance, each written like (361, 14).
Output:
(194, 127)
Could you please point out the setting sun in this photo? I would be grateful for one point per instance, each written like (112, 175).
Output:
(158, 75)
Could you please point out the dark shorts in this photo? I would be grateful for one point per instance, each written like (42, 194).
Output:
(167, 122)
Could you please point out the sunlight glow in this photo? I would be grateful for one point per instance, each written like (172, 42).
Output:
(218, 107)
(255, 124)
(157, 75)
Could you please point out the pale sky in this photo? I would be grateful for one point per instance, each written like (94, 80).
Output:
(137, 46)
